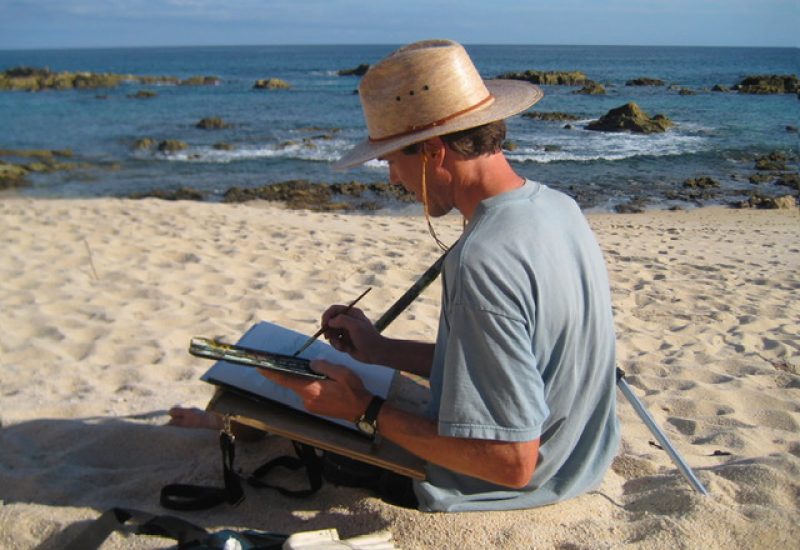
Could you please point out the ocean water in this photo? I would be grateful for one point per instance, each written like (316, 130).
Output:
(295, 134)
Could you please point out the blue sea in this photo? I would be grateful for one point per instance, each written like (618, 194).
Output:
(292, 134)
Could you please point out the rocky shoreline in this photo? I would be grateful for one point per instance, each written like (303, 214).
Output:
(773, 180)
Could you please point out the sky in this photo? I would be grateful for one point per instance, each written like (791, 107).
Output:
(122, 23)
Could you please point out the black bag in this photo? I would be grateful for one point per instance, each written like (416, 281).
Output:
(188, 535)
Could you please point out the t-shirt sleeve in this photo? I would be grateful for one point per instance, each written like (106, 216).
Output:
(493, 389)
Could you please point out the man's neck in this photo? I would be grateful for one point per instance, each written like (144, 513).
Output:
(484, 177)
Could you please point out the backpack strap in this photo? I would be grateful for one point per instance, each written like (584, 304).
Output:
(179, 496)
(306, 457)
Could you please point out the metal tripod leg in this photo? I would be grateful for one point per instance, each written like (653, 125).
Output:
(430, 275)
(640, 409)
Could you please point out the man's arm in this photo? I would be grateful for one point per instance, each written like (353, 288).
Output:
(342, 395)
(506, 463)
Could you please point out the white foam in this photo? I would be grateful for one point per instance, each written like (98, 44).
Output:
(584, 145)
(321, 150)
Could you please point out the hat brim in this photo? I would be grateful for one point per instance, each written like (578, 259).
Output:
(511, 97)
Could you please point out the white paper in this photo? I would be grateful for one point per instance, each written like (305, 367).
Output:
(275, 338)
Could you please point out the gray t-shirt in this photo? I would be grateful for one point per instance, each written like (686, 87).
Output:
(525, 350)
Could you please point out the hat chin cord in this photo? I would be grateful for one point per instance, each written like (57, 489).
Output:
(439, 243)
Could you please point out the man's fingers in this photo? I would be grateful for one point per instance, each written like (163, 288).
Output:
(331, 370)
(294, 383)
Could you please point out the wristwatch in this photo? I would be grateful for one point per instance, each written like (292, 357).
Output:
(368, 422)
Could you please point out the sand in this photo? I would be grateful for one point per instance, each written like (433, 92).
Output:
(99, 298)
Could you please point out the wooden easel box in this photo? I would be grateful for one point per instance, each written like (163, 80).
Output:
(275, 418)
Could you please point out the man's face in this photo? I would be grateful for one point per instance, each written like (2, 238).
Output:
(406, 170)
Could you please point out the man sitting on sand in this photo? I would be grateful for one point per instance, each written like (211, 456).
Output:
(522, 374)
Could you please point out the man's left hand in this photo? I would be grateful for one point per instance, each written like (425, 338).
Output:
(341, 395)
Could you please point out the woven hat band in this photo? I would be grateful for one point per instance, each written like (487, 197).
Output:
(412, 129)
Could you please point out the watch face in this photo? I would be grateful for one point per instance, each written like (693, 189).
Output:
(366, 427)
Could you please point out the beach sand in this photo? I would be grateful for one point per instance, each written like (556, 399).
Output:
(99, 298)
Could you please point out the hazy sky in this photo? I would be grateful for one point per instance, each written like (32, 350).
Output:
(97, 23)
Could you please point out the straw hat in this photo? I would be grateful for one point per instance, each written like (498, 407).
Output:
(428, 89)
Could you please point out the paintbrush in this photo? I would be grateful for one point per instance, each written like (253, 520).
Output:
(317, 334)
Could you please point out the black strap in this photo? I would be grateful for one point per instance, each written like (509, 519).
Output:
(187, 534)
(306, 457)
(179, 496)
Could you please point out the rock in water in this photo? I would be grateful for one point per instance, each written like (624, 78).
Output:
(630, 118)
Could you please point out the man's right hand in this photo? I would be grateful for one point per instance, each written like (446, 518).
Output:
(353, 333)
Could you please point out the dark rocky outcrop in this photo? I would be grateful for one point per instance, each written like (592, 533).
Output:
(179, 194)
(720, 88)
(630, 118)
(549, 116)
(212, 123)
(645, 81)
(142, 144)
(636, 205)
(271, 84)
(30, 161)
(682, 90)
(550, 78)
(775, 161)
(769, 84)
(302, 194)
(12, 176)
(758, 200)
(33, 79)
(701, 182)
(361, 70)
(792, 181)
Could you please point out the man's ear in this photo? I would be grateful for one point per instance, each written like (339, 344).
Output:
(434, 149)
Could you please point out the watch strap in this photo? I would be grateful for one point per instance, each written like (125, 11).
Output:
(370, 416)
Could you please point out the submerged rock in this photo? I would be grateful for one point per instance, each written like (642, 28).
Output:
(143, 94)
(172, 146)
(200, 81)
(630, 118)
(550, 78)
(212, 123)
(592, 89)
(645, 81)
(550, 116)
(271, 84)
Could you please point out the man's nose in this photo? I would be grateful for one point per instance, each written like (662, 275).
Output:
(393, 177)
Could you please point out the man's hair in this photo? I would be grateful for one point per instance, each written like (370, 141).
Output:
(472, 142)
